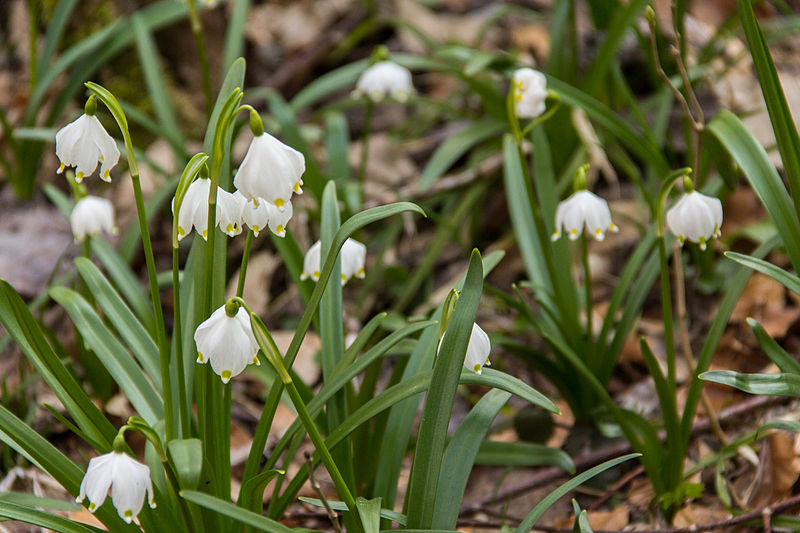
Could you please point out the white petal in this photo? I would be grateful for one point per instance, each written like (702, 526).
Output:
(97, 480)
(270, 170)
(131, 479)
(227, 343)
(278, 219)
(254, 213)
(530, 92)
(229, 212)
(311, 262)
(477, 350)
(354, 256)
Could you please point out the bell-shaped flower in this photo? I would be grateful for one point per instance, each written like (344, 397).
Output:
(127, 478)
(90, 216)
(530, 92)
(259, 214)
(227, 342)
(84, 143)
(194, 210)
(696, 217)
(353, 257)
(478, 349)
(385, 79)
(270, 170)
(583, 208)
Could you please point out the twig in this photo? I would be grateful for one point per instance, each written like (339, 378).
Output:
(764, 514)
(598, 456)
(315, 485)
(616, 487)
(684, 339)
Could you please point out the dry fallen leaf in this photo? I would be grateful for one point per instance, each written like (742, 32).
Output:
(779, 470)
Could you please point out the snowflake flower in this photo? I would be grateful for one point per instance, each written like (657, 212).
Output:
(127, 478)
(90, 216)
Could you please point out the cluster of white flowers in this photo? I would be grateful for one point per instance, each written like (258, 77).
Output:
(694, 217)
(353, 254)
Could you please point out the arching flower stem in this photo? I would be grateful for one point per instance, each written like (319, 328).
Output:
(369, 106)
(114, 107)
(200, 44)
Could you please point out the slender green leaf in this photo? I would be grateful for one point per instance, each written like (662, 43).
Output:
(774, 351)
(43, 502)
(117, 360)
(126, 281)
(42, 519)
(787, 279)
(235, 36)
(500, 380)
(771, 384)
(522, 454)
(156, 86)
(337, 141)
(388, 514)
(530, 519)
(424, 480)
(187, 457)
(456, 146)
(262, 523)
(130, 329)
(765, 180)
(27, 333)
(779, 114)
(460, 456)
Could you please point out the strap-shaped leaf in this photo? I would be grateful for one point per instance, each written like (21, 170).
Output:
(27, 333)
(783, 384)
(262, 523)
(424, 480)
(120, 315)
(113, 354)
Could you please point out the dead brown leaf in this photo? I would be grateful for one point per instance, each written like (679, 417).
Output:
(779, 469)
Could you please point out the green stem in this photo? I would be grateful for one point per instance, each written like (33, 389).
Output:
(183, 405)
(319, 444)
(587, 282)
(245, 260)
(33, 19)
(199, 41)
(365, 132)
(173, 481)
(666, 311)
(163, 347)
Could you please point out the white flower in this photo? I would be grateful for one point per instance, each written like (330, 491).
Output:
(354, 257)
(270, 170)
(82, 144)
(194, 210)
(530, 92)
(583, 208)
(227, 342)
(127, 478)
(91, 215)
(385, 79)
(696, 217)
(478, 349)
(259, 214)
(353, 254)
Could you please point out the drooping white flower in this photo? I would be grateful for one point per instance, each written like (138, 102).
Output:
(259, 214)
(478, 349)
(84, 143)
(127, 478)
(385, 79)
(353, 256)
(227, 342)
(90, 216)
(530, 92)
(583, 208)
(194, 210)
(696, 217)
(270, 170)
(311, 262)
